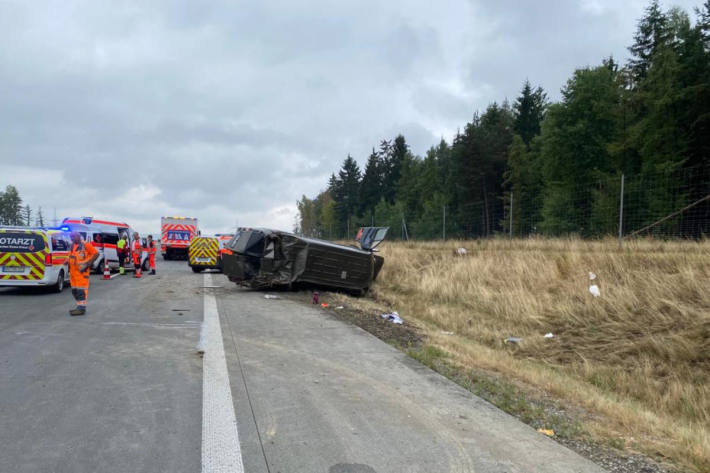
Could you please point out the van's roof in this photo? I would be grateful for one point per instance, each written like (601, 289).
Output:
(93, 220)
(4, 228)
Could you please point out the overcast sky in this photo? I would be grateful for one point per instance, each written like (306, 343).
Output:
(230, 110)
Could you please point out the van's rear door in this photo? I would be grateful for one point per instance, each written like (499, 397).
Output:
(22, 254)
(370, 237)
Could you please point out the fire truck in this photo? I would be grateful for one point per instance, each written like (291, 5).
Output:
(176, 233)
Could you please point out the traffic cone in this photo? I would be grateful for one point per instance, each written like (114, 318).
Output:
(107, 271)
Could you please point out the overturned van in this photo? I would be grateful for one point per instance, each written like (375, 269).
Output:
(261, 258)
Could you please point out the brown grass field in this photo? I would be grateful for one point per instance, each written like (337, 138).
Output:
(635, 360)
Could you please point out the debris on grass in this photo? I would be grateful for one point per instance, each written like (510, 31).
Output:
(393, 317)
(271, 296)
(548, 432)
(549, 335)
(513, 340)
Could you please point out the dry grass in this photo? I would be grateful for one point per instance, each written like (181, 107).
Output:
(637, 358)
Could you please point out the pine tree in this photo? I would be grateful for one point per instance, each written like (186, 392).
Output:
(529, 112)
(651, 34)
(40, 218)
(371, 186)
(11, 207)
(27, 215)
(347, 194)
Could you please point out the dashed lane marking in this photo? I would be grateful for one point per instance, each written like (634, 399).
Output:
(221, 452)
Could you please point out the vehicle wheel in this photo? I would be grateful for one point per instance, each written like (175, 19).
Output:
(166, 256)
(59, 285)
(196, 269)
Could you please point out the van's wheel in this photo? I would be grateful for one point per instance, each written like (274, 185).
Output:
(195, 269)
(59, 285)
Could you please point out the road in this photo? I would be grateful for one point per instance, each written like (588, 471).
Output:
(124, 389)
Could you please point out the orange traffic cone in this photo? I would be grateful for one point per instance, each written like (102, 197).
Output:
(107, 271)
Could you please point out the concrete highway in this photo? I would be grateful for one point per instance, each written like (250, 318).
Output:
(282, 387)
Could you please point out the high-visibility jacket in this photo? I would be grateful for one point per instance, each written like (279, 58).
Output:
(121, 246)
(137, 250)
(80, 253)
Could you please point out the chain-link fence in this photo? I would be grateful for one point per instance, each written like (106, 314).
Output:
(667, 203)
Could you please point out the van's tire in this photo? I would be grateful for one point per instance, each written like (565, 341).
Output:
(195, 269)
(59, 285)
(166, 256)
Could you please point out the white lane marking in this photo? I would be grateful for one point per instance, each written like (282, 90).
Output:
(221, 452)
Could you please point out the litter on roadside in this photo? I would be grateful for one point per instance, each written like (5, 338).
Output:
(548, 432)
(592, 276)
(324, 305)
(340, 307)
(513, 340)
(393, 317)
(594, 290)
(444, 332)
(549, 335)
(271, 296)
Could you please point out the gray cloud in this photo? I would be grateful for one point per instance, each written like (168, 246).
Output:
(231, 110)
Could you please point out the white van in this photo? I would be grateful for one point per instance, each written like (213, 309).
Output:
(34, 257)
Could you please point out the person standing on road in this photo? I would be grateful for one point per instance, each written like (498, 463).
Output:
(150, 247)
(137, 250)
(81, 258)
(122, 249)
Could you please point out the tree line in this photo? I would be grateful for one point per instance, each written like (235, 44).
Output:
(12, 212)
(648, 118)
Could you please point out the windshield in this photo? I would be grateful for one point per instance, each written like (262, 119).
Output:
(21, 242)
(248, 243)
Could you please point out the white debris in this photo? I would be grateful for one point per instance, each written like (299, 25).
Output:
(594, 289)
(513, 340)
(549, 335)
(444, 332)
(393, 317)
(271, 296)
(461, 252)
(340, 307)
(592, 276)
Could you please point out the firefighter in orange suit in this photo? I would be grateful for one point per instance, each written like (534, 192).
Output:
(150, 248)
(81, 258)
(137, 250)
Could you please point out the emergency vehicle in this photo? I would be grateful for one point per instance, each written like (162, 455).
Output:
(34, 257)
(176, 233)
(103, 235)
(204, 253)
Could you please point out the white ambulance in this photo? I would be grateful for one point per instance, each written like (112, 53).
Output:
(104, 235)
(34, 257)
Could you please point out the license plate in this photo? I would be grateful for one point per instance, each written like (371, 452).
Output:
(202, 260)
(13, 269)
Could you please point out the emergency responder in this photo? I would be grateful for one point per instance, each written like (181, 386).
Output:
(137, 250)
(150, 248)
(122, 250)
(81, 258)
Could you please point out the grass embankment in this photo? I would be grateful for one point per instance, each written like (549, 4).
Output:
(636, 359)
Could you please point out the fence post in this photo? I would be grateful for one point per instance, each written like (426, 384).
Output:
(511, 215)
(621, 211)
(443, 225)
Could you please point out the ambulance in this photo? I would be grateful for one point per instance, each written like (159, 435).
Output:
(34, 257)
(103, 235)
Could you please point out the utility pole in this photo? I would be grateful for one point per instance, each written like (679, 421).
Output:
(621, 211)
